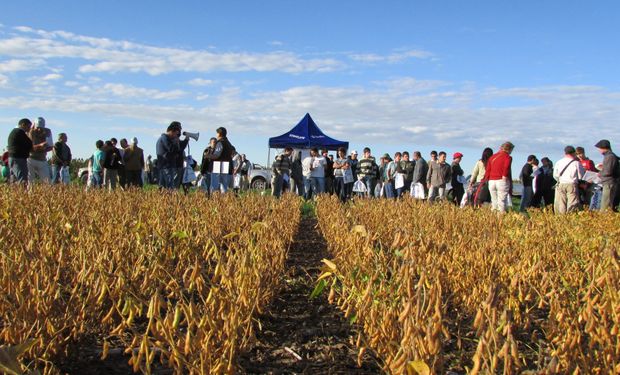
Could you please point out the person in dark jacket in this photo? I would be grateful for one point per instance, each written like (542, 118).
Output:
(458, 190)
(527, 178)
(545, 194)
(221, 172)
(169, 150)
(406, 167)
(19, 148)
(207, 165)
(113, 161)
(418, 180)
(610, 176)
(61, 157)
(297, 177)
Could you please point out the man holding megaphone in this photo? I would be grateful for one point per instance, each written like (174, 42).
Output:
(169, 150)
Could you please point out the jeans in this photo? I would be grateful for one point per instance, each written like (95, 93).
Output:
(339, 188)
(389, 189)
(526, 198)
(19, 170)
(167, 178)
(96, 180)
(499, 194)
(370, 182)
(311, 187)
(320, 183)
(220, 182)
(277, 181)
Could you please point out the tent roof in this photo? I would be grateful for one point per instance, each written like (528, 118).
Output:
(306, 134)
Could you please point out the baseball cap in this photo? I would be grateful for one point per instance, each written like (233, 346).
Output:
(603, 143)
(354, 152)
(39, 122)
(457, 155)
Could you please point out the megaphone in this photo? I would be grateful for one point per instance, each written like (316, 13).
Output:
(193, 136)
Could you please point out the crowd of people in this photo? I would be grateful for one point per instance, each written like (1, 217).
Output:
(572, 183)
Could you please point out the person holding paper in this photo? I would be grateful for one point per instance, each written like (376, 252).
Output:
(37, 162)
(221, 173)
(586, 188)
(457, 179)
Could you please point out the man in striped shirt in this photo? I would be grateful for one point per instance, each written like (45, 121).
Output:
(367, 171)
(281, 171)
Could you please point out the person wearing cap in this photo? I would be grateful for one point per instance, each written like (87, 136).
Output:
(567, 172)
(169, 150)
(61, 158)
(439, 173)
(19, 147)
(38, 166)
(499, 175)
(458, 190)
(134, 164)
(610, 176)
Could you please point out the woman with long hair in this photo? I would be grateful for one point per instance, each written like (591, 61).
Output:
(478, 188)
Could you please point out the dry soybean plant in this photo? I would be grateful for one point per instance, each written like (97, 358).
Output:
(169, 279)
(440, 288)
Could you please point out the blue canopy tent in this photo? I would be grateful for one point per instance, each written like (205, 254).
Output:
(306, 134)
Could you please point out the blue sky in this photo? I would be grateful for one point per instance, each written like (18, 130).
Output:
(392, 75)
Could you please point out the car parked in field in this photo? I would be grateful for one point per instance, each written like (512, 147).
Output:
(260, 177)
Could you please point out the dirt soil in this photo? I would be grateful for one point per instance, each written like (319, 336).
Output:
(313, 329)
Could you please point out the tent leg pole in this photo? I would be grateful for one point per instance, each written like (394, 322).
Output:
(268, 155)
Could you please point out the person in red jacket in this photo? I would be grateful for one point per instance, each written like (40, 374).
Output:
(499, 176)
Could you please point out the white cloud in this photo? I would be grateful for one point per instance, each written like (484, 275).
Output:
(127, 91)
(433, 113)
(393, 58)
(200, 82)
(4, 80)
(51, 77)
(17, 65)
(111, 56)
